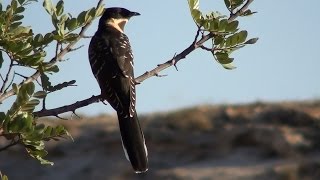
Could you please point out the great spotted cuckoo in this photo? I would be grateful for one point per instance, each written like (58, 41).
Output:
(111, 61)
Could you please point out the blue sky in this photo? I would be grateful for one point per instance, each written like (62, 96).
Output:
(283, 65)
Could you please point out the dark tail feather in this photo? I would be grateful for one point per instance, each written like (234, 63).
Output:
(133, 142)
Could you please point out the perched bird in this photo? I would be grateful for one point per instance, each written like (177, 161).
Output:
(111, 61)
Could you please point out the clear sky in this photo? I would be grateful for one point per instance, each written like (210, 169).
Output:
(283, 65)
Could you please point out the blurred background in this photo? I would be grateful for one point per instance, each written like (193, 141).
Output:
(259, 121)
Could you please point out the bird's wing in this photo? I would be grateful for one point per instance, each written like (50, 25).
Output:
(121, 51)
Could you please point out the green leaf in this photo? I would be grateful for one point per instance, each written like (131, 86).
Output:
(252, 41)
(229, 66)
(47, 132)
(227, 3)
(231, 40)
(2, 117)
(99, 10)
(40, 94)
(223, 58)
(17, 17)
(15, 25)
(195, 12)
(32, 60)
(40, 128)
(14, 5)
(1, 59)
(71, 37)
(20, 9)
(60, 8)
(90, 14)
(81, 17)
(33, 102)
(72, 24)
(218, 40)
(222, 25)
(20, 30)
(39, 154)
(21, 123)
(4, 177)
(242, 36)
(53, 68)
(48, 38)
(47, 4)
(27, 108)
(46, 84)
(21, 1)
(236, 3)
(193, 4)
(15, 88)
(30, 87)
(232, 26)
(38, 40)
(236, 38)
(248, 12)
(197, 17)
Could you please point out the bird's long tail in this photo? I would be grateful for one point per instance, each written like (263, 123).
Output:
(133, 142)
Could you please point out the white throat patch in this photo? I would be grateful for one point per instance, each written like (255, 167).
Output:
(118, 23)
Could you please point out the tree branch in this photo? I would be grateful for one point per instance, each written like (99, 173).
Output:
(240, 11)
(189, 49)
(67, 108)
(6, 79)
(52, 61)
(154, 72)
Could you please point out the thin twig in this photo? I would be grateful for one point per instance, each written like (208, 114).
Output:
(6, 79)
(74, 49)
(197, 35)
(1, 78)
(206, 48)
(12, 79)
(23, 76)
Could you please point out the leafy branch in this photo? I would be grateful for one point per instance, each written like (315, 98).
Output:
(222, 57)
(23, 48)
(26, 49)
(87, 22)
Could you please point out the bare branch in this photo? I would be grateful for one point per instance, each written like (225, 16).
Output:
(197, 35)
(206, 48)
(67, 108)
(74, 49)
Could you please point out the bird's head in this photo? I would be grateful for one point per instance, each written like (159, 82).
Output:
(116, 17)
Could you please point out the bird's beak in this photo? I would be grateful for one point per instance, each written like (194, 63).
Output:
(135, 14)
